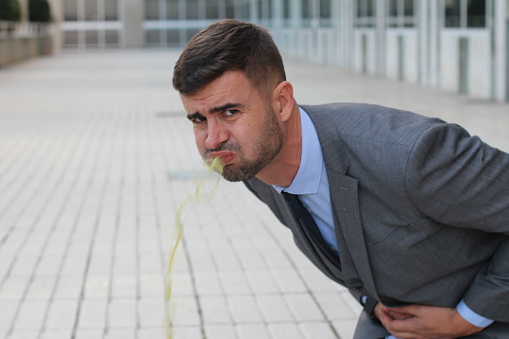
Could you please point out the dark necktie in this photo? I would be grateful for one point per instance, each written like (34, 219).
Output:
(303, 215)
(309, 227)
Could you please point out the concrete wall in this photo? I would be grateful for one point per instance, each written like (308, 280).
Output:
(16, 49)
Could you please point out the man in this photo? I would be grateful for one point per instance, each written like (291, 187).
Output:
(409, 213)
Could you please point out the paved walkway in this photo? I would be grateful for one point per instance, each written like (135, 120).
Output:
(95, 158)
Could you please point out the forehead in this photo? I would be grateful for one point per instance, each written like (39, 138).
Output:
(232, 85)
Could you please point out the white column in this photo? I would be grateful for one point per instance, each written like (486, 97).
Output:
(57, 14)
(500, 50)
(23, 4)
(380, 38)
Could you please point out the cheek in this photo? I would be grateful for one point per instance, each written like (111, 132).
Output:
(199, 138)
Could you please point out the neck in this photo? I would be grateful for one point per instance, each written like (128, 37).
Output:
(283, 169)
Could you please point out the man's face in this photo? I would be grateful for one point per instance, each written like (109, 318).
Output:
(233, 121)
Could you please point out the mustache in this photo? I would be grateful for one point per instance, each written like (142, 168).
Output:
(224, 146)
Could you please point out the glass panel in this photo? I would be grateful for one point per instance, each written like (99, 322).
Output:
(306, 13)
(91, 38)
(192, 11)
(452, 13)
(212, 9)
(325, 9)
(306, 9)
(230, 9)
(111, 10)
(409, 13)
(360, 7)
(408, 9)
(71, 10)
(151, 9)
(325, 13)
(392, 10)
(286, 9)
(393, 7)
(173, 37)
(370, 8)
(71, 38)
(476, 13)
(91, 10)
(172, 9)
(190, 33)
(152, 37)
(365, 13)
(111, 38)
(245, 10)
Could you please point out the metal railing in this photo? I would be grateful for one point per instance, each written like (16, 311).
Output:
(10, 29)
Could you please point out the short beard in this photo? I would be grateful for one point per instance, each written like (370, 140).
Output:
(267, 145)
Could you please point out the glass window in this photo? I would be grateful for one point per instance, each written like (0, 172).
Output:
(393, 8)
(324, 9)
(91, 10)
(192, 10)
(172, 9)
(152, 37)
(71, 10)
(91, 38)
(401, 13)
(111, 10)
(325, 13)
(245, 10)
(111, 38)
(286, 9)
(408, 7)
(191, 32)
(476, 13)
(212, 9)
(370, 7)
(151, 9)
(71, 38)
(306, 13)
(365, 13)
(452, 13)
(465, 13)
(173, 37)
(230, 9)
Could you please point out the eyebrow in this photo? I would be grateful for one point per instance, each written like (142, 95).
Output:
(215, 110)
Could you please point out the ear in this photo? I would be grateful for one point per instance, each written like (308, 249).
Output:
(282, 100)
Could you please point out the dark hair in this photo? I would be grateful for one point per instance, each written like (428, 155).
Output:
(228, 45)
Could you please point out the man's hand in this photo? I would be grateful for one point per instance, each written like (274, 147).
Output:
(423, 322)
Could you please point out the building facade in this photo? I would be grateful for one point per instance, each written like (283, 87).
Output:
(454, 45)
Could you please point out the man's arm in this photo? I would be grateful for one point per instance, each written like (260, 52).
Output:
(460, 181)
(417, 321)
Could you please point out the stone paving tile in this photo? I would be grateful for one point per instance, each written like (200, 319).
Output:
(96, 158)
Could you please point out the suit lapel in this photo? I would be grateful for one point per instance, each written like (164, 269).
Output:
(345, 207)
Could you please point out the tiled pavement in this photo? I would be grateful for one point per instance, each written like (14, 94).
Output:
(95, 158)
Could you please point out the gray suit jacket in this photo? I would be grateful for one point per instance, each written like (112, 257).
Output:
(421, 212)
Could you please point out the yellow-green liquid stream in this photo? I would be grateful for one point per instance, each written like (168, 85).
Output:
(199, 196)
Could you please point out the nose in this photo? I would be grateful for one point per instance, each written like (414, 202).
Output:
(216, 134)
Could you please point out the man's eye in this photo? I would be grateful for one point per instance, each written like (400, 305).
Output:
(198, 120)
(230, 112)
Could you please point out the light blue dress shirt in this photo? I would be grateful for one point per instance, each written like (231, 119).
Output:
(313, 191)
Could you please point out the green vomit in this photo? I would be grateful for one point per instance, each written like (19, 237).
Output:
(203, 194)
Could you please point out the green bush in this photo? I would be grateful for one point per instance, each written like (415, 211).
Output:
(39, 11)
(10, 10)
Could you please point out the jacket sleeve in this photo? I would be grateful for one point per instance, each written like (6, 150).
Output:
(458, 180)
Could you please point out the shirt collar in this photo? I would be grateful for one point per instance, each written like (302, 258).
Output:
(308, 176)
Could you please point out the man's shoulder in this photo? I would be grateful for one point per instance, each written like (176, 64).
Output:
(368, 121)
